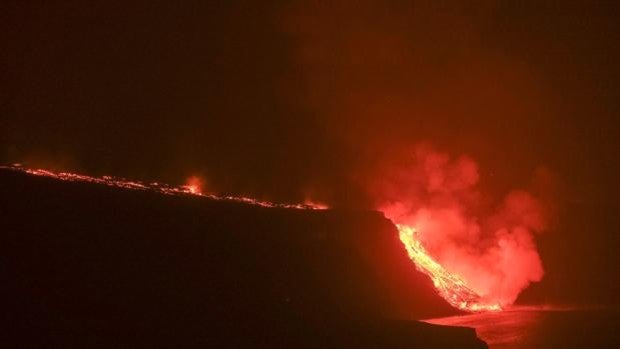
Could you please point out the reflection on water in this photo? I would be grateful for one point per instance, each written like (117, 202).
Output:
(525, 328)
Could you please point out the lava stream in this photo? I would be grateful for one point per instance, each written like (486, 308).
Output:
(192, 188)
(451, 287)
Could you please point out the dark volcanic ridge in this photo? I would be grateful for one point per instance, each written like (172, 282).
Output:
(90, 265)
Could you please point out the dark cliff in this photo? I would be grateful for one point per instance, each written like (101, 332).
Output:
(86, 265)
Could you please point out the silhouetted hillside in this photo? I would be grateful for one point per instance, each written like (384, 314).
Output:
(86, 265)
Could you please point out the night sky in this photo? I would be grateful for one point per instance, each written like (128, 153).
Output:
(312, 99)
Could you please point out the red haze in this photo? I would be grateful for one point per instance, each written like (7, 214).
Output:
(491, 249)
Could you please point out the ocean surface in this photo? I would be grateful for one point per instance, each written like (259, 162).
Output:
(537, 328)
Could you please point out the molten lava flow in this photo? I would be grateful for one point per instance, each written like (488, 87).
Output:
(479, 253)
(451, 287)
(193, 187)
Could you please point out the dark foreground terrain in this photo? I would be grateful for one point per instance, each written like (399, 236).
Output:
(541, 327)
(87, 266)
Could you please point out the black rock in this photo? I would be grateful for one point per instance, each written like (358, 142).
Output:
(85, 265)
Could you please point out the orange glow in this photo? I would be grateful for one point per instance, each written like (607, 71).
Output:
(192, 187)
(451, 287)
(315, 205)
(480, 252)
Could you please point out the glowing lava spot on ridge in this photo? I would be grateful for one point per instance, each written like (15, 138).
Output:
(194, 185)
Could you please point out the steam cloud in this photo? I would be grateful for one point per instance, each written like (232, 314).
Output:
(382, 78)
(493, 250)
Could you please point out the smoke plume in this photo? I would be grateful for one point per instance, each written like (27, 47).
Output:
(491, 249)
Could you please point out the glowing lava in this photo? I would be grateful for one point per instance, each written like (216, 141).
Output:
(193, 187)
(479, 250)
(451, 287)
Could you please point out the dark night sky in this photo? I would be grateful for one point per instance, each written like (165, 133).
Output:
(283, 100)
